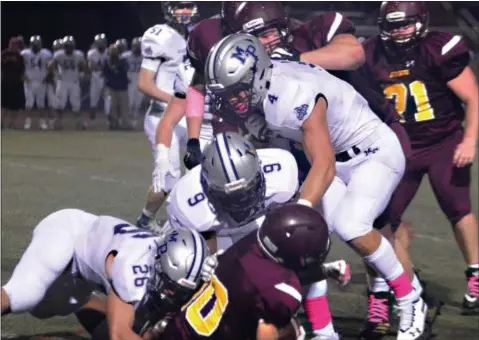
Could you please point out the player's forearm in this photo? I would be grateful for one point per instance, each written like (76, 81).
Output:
(195, 106)
(150, 90)
(472, 120)
(317, 182)
(342, 53)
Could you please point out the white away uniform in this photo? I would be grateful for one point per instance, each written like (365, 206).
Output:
(36, 71)
(97, 82)
(68, 84)
(363, 184)
(135, 96)
(79, 242)
(164, 50)
(188, 207)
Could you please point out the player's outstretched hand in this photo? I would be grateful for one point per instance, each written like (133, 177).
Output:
(209, 266)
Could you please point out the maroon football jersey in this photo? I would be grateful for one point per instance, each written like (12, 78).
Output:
(418, 87)
(247, 287)
(202, 39)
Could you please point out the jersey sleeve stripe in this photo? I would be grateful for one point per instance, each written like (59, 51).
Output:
(334, 27)
(450, 45)
(286, 288)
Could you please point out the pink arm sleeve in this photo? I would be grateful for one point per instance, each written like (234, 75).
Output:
(195, 103)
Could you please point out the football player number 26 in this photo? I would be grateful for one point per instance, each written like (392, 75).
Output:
(417, 89)
(206, 307)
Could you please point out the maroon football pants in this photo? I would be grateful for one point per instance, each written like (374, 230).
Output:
(451, 185)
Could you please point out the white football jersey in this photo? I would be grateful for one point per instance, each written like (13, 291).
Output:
(69, 65)
(96, 57)
(135, 249)
(36, 64)
(134, 63)
(188, 207)
(163, 50)
(295, 88)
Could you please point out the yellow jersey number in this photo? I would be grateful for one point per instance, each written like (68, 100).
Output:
(205, 309)
(399, 93)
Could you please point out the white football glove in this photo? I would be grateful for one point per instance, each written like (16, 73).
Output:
(162, 166)
(209, 266)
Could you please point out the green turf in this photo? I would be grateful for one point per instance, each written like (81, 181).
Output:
(109, 173)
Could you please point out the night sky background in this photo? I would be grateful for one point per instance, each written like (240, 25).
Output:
(127, 19)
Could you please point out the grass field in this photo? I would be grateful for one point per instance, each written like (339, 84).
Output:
(109, 173)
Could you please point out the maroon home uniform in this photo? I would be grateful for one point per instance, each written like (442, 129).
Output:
(248, 287)
(432, 115)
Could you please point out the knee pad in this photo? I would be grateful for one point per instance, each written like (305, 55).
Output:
(348, 227)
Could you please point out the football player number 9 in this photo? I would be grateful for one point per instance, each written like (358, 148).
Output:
(206, 307)
(417, 89)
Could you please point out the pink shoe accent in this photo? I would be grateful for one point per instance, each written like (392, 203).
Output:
(473, 285)
(401, 286)
(318, 312)
(346, 276)
(378, 310)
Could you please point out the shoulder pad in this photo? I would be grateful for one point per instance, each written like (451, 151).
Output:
(324, 27)
(161, 41)
(444, 44)
(130, 272)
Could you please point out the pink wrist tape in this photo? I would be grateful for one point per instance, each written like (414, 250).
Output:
(195, 103)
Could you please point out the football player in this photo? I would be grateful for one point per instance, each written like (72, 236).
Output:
(36, 62)
(255, 292)
(134, 60)
(96, 56)
(67, 64)
(71, 248)
(335, 48)
(163, 49)
(427, 76)
(356, 160)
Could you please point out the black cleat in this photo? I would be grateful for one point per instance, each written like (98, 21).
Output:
(377, 325)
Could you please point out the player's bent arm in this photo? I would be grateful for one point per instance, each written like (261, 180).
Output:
(465, 87)
(120, 317)
(52, 66)
(146, 84)
(317, 145)
(344, 52)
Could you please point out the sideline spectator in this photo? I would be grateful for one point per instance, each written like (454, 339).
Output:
(13, 72)
(115, 71)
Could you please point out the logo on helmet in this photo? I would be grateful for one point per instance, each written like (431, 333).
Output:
(163, 248)
(242, 54)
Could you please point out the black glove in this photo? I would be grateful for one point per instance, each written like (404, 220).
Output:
(193, 155)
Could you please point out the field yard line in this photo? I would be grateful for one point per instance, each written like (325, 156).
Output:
(61, 171)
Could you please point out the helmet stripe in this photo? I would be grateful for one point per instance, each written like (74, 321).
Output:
(224, 154)
(198, 257)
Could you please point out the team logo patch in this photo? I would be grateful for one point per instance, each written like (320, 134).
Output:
(148, 51)
(301, 111)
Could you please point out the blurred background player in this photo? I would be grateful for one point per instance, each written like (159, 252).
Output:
(96, 57)
(13, 73)
(427, 76)
(134, 60)
(36, 61)
(66, 65)
(163, 49)
(51, 87)
(122, 45)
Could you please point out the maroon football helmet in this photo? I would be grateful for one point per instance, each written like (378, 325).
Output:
(257, 17)
(295, 236)
(397, 15)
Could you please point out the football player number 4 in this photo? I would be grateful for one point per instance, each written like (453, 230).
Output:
(417, 89)
(206, 307)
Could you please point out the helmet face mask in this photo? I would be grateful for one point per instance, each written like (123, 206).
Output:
(69, 44)
(402, 25)
(183, 13)
(238, 71)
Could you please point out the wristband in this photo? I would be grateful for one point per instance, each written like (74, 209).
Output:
(307, 203)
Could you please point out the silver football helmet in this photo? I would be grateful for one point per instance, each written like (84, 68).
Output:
(175, 277)
(238, 71)
(69, 44)
(36, 43)
(57, 45)
(232, 179)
